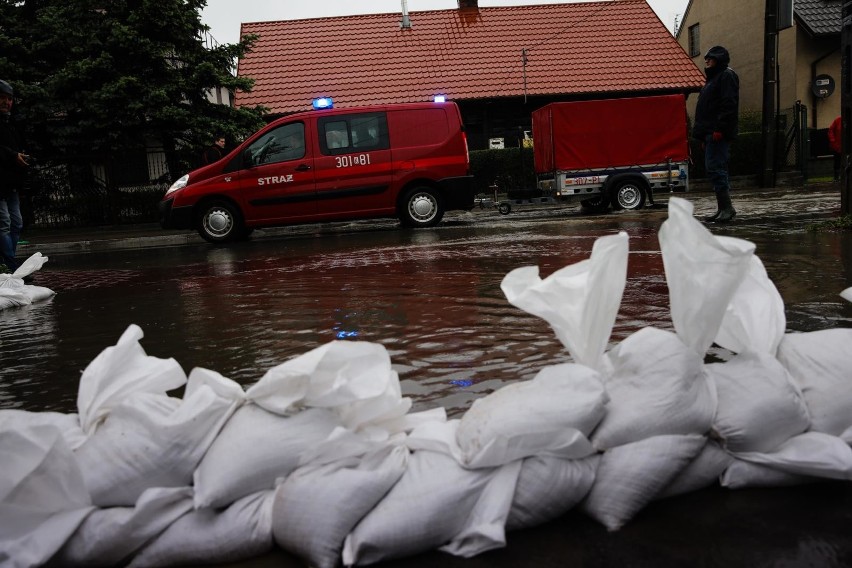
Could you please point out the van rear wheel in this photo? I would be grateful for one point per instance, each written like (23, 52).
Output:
(421, 207)
(220, 221)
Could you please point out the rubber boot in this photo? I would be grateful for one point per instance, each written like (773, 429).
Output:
(650, 193)
(715, 215)
(727, 212)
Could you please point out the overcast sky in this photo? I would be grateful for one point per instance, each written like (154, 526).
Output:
(225, 16)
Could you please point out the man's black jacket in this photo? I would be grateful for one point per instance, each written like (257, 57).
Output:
(12, 176)
(718, 104)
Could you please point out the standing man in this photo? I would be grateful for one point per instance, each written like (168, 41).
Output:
(716, 116)
(13, 170)
(215, 152)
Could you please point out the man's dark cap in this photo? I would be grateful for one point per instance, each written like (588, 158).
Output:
(718, 53)
(6, 88)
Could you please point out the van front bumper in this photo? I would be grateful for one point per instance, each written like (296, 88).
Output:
(174, 217)
(458, 192)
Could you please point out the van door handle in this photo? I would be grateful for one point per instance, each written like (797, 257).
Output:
(303, 167)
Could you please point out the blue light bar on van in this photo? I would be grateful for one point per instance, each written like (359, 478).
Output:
(440, 98)
(322, 102)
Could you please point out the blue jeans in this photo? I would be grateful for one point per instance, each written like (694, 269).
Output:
(716, 156)
(11, 224)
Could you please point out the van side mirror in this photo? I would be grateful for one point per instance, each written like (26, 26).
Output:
(247, 159)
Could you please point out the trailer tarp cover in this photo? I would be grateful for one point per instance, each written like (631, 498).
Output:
(582, 135)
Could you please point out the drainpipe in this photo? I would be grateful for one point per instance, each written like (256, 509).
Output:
(770, 50)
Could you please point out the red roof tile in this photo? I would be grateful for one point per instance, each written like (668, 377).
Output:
(608, 47)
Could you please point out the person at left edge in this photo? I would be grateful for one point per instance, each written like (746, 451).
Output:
(215, 151)
(13, 170)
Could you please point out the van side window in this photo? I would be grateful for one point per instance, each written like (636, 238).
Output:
(287, 142)
(337, 135)
(345, 134)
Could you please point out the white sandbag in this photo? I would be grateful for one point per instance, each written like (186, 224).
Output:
(119, 372)
(316, 507)
(847, 294)
(551, 415)
(32, 264)
(253, 449)
(435, 501)
(820, 363)
(746, 475)
(67, 424)
(580, 301)
(16, 292)
(754, 319)
(43, 498)
(703, 471)
(703, 272)
(354, 378)
(109, 537)
(657, 387)
(12, 294)
(549, 487)
(151, 440)
(759, 406)
(811, 454)
(631, 476)
(485, 528)
(213, 536)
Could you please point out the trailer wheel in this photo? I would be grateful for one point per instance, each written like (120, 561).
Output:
(628, 195)
(421, 206)
(220, 221)
(504, 208)
(596, 204)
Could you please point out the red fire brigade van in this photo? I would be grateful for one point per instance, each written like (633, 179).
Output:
(406, 160)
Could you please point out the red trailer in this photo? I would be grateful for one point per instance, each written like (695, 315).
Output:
(612, 151)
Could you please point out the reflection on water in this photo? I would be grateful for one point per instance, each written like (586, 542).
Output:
(432, 298)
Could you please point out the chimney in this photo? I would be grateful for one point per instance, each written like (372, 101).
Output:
(468, 4)
(405, 24)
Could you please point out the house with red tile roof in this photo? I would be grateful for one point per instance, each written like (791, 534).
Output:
(498, 63)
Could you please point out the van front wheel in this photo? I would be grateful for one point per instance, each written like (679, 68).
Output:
(421, 207)
(220, 222)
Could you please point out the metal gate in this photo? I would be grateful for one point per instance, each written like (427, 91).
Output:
(793, 154)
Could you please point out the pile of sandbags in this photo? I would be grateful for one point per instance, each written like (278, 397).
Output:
(15, 292)
(323, 458)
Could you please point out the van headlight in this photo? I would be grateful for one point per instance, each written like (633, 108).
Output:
(179, 184)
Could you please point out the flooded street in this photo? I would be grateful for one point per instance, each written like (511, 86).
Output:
(433, 299)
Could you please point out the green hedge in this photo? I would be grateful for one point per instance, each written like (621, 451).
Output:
(746, 156)
(513, 168)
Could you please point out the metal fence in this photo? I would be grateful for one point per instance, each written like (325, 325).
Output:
(86, 191)
(794, 152)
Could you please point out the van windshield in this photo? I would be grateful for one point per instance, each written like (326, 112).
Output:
(286, 142)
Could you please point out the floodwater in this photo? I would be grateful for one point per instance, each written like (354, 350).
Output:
(433, 299)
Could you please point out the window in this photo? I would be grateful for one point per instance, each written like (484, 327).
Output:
(287, 142)
(694, 41)
(344, 134)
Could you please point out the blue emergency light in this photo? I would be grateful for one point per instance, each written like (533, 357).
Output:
(322, 102)
(440, 98)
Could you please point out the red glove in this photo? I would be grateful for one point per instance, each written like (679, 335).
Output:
(717, 137)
